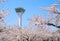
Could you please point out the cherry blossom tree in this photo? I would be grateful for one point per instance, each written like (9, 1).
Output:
(40, 33)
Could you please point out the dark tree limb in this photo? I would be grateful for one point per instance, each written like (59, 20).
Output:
(50, 24)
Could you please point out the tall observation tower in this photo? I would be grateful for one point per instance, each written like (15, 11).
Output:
(20, 12)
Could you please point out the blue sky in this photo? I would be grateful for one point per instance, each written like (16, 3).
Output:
(31, 6)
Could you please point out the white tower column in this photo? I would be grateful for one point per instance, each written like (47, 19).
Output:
(20, 21)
